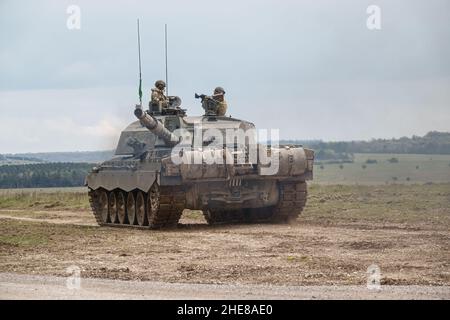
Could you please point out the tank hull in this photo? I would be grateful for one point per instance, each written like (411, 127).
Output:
(144, 187)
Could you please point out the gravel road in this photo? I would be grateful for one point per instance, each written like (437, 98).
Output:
(18, 286)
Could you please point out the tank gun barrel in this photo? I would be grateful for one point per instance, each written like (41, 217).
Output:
(155, 126)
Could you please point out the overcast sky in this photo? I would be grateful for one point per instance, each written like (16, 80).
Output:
(310, 68)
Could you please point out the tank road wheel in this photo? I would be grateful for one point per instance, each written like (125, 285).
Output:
(162, 206)
(121, 207)
(131, 208)
(153, 206)
(140, 209)
(112, 207)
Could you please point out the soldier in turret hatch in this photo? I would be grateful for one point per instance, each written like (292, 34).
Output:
(218, 95)
(158, 96)
(214, 105)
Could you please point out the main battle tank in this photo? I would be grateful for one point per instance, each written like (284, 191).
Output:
(166, 162)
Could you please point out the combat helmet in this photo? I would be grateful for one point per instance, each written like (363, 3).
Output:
(219, 90)
(160, 83)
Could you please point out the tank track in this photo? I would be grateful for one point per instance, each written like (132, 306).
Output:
(94, 207)
(291, 203)
(171, 204)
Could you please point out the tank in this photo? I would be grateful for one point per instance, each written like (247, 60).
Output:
(166, 162)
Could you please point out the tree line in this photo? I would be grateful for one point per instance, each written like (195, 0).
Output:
(433, 142)
(43, 175)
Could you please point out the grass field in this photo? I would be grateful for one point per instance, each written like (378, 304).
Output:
(377, 202)
(410, 169)
(44, 198)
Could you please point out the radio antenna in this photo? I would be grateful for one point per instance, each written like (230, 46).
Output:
(167, 75)
(140, 75)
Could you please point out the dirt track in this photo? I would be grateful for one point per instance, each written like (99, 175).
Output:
(13, 286)
(298, 254)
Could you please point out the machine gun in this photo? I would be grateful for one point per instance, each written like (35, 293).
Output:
(208, 103)
(200, 96)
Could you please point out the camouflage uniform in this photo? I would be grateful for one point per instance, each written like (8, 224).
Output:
(158, 98)
(222, 108)
(218, 96)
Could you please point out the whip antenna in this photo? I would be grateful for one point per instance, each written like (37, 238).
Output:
(140, 75)
(167, 76)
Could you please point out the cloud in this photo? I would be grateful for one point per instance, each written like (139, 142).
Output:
(309, 67)
(63, 120)
(58, 134)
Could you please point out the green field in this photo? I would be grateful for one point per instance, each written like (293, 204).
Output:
(28, 191)
(45, 198)
(410, 169)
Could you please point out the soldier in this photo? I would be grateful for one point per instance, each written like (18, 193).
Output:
(158, 96)
(221, 103)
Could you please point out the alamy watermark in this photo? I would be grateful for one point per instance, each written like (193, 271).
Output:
(229, 147)
(373, 21)
(373, 277)
(74, 19)
(73, 281)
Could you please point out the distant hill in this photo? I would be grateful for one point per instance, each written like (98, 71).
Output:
(14, 159)
(77, 156)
